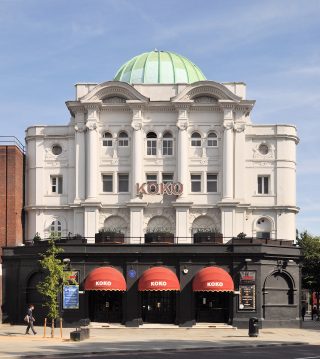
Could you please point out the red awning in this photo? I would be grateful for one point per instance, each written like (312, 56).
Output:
(105, 278)
(158, 278)
(212, 279)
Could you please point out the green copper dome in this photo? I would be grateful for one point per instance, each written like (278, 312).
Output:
(159, 67)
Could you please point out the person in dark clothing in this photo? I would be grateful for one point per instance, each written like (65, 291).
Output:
(30, 319)
(303, 312)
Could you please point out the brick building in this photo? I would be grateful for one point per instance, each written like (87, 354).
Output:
(11, 195)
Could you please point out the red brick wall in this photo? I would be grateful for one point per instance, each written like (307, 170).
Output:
(11, 195)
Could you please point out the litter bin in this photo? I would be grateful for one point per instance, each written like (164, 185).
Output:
(253, 327)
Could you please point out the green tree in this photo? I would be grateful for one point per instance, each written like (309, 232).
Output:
(56, 277)
(310, 248)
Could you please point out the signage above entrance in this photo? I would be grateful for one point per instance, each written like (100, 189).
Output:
(212, 279)
(158, 278)
(175, 189)
(105, 278)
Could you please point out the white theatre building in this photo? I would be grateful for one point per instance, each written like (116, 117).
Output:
(161, 147)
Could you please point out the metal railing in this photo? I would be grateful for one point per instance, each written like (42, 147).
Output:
(78, 240)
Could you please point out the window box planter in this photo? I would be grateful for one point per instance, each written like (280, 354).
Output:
(208, 237)
(109, 237)
(159, 238)
(72, 240)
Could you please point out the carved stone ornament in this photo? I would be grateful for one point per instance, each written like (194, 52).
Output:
(136, 125)
(137, 114)
(228, 125)
(239, 127)
(270, 154)
(205, 99)
(182, 125)
(91, 126)
(114, 100)
(183, 114)
(50, 156)
(80, 128)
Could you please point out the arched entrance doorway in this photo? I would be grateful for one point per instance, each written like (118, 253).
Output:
(105, 287)
(158, 287)
(213, 288)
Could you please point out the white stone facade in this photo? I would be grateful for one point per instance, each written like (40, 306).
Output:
(245, 173)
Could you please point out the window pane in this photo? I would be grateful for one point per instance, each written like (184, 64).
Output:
(212, 183)
(151, 178)
(59, 185)
(259, 184)
(107, 183)
(266, 185)
(151, 147)
(107, 143)
(167, 177)
(195, 183)
(123, 185)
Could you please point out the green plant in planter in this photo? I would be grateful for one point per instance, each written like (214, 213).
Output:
(159, 230)
(241, 235)
(37, 237)
(110, 231)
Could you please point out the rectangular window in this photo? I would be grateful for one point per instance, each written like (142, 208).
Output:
(167, 147)
(152, 178)
(107, 183)
(212, 182)
(167, 177)
(123, 182)
(56, 184)
(263, 184)
(195, 183)
(151, 147)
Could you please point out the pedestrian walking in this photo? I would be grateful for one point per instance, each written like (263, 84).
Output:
(29, 318)
(303, 312)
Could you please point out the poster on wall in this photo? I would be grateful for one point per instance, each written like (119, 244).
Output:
(70, 297)
(247, 297)
(247, 290)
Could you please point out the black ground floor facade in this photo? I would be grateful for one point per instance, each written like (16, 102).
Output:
(266, 281)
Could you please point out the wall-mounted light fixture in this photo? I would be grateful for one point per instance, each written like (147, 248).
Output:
(185, 270)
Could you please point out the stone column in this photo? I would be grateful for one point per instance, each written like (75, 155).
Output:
(239, 161)
(228, 149)
(137, 149)
(182, 151)
(79, 157)
(92, 168)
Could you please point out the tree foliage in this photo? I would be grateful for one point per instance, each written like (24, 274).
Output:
(55, 277)
(310, 248)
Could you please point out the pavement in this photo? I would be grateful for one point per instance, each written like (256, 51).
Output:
(14, 344)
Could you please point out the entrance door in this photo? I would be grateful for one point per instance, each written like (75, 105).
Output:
(159, 306)
(105, 306)
(212, 307)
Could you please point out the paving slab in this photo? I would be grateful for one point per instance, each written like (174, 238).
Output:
(14, 344)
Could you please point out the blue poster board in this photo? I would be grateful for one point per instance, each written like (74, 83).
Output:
(70, 297)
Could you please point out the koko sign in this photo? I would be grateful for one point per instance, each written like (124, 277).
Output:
(175, 189)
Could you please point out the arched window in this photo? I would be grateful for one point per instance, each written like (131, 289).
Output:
(123, 140)
(263, 228)
(212, 140)
(196, 139)
(56, 228)
(107, 139)
(167, 144)
(151, 144)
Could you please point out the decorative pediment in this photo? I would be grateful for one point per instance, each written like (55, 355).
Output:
(205, 99)
(204, 90)
(113, 92)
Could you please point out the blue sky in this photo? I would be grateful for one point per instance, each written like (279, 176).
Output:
(274, 46)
